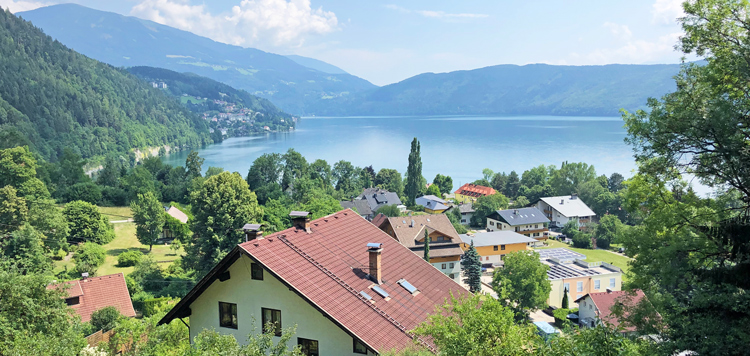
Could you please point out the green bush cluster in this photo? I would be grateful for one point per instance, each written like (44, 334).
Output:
(129, 258)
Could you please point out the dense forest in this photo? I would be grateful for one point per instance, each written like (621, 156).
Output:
(52, 98)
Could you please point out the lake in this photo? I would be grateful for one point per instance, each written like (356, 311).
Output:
(456, 146)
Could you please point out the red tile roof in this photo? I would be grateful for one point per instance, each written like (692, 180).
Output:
(605, 300)
(473, 190)
(379, 220)
(98, 292)
(328, 267)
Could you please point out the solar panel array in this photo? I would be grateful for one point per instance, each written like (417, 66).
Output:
(562, 254)
(557, 271)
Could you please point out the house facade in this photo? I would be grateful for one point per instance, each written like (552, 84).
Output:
(529, 222)
(568, 271)
(560, 210)
(470, 192)
(467, 211)
(594, 309)
(349, 288)
(493, 246)
(180, 216)
(445, 250)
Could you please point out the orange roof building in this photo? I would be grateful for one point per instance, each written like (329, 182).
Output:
(88, 295)
(470, 192)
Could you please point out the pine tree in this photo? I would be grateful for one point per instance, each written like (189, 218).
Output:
(473, 266)
(426, 246)
(565, 303)
(413, 173)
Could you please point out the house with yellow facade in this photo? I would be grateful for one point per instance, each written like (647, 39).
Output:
(493, 246)
(445, 244)
(568, 271)
(470, 192)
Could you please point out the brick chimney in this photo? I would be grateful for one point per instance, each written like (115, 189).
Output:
(376, 273)
(301, 220)
(252, 232)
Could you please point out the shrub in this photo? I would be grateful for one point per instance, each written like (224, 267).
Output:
(59, 255)
(105, 319)
(129, 258)
(151, 306)
(89, 257)
(561, 316)
(582, 240)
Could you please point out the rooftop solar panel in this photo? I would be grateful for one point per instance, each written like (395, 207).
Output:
(408, 286)
(381, 291)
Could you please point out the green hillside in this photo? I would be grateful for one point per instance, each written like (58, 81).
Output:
(52, 97)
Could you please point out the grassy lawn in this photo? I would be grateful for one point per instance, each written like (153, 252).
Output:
(115, 213)
(125, 240)
(594, 255)
(191, 99)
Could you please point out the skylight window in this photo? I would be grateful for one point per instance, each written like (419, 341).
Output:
(408, 286)
(381, 291)
(367, 296)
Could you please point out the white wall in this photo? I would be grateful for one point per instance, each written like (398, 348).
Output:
(456, 270)
(586, 311)
(250, 296)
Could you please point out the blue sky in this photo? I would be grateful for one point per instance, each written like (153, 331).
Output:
(386, 42)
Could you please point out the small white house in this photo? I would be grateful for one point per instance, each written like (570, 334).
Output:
(594, 309)
(560, 210)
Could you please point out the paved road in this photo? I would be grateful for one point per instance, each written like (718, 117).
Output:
(120, 221)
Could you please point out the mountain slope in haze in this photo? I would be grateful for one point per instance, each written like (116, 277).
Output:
(129, 41)
(53, 98)
(316, 64)
(536, 89)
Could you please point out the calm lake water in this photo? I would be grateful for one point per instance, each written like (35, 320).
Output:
(456, 146)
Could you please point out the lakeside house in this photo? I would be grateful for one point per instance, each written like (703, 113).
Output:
(569, 272)
(529, 222)
(470, 192)
(89, 294)
(560, 210)
(445, 248)
(493, 246)
(348, 287)
(432, 204)
(371, 200)
(594, 309)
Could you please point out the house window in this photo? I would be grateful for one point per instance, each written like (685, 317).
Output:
(494, 248)
(597, 284)
(441, 238)
(463, 221)
(443, 266)
(611, 283)
(492, 223)
(452, 276)
(72, 301)
(228, 315)
(308, 347)
(487, 258)
(583, 303)
(256, 271)
(536, 226)
(359, 347)
(451, 265)
(579, 286)
(272, 316)
(502, 247)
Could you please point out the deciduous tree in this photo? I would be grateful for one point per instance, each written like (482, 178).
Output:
(148, 215)
(86, 223)
(522, 282)
(487, 205)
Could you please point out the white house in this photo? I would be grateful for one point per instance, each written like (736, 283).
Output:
(594, 309)
(348, 287)
(560, 210)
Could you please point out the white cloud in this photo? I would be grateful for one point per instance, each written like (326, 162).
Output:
(621, 31)
(441, 15)
(260, 23)
(667, 11)
(18, 6)
(632, 51)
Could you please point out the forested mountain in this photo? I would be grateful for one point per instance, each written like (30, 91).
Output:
(536, 89)
(316, 64)
(129, 41)
(199, 86)
(52, 97)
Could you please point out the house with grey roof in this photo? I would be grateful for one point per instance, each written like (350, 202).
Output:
(560, 210)
(432, 204)
(493, 246)
(467, 211)
(372, 199)
(530, 222)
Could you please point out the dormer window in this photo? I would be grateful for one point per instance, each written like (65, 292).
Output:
(73, 301)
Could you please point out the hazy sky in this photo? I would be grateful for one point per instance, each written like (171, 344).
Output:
(385, 42)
